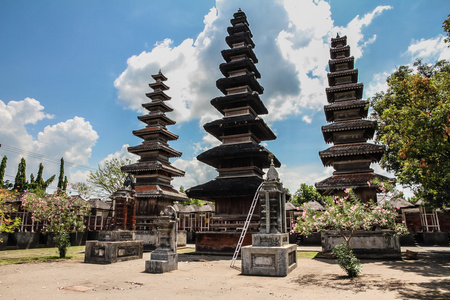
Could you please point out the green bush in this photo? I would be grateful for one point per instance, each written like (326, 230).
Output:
(347, 260)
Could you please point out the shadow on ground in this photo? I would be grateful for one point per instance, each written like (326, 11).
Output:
(434, 265)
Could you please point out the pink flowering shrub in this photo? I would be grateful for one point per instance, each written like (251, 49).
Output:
(60, 214)
(348, 215)
(7, 224)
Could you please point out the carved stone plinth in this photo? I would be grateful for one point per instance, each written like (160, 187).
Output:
(112, 247)
(275, 261)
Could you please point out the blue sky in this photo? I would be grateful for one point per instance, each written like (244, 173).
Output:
(74, 73)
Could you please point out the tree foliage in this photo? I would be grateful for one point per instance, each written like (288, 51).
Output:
(2, 171)
(39, 185)
(83, 189)
(446, 26)
(20, 182)
(109, 178)
(62, 180)
(307, 193)
(7, 224)
(60, 213)
(414, 122)
(197, 202)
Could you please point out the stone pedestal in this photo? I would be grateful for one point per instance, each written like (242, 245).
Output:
(113, 246)
(270, 255)
(165, 257)
(162, 261)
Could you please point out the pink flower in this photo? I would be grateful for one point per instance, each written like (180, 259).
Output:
(347, 190)
(368, 182)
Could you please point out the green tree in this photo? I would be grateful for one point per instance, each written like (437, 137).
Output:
(197, 202)
(39, 185)
(61, 175)
(7, 224)
(446, 26)
(60, 213)
(2, 171)
(83, 189)
(108, 178)
(20, 182)
(414, 123)
(307, 193)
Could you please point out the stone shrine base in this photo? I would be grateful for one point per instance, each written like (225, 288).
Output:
(161, 261)
(107, 252)
(270, 255)
(269, 261)
(366, 244)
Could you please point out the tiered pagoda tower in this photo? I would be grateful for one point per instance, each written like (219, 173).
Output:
(349, 130)
(240, 159)
(153, 171)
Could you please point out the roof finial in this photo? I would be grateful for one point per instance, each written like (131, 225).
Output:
(272, 174)
(337, 35)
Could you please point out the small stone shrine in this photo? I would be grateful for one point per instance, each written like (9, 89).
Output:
(349, 131)
(153, 172)
(165, 257)
(113, 246)
(240, 159)
(270, 253)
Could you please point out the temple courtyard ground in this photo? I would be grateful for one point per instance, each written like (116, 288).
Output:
(210, 277)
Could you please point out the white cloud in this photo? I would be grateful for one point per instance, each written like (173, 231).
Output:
(301, 31)
(121, 154)
(430, 49)
(307, 119)
(292, 177)
(15, 115)
(196, 173)
(378, 84)
(353, 30)
(72, 139)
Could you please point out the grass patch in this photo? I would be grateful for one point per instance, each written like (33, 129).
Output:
(307, 254)
(9, 257)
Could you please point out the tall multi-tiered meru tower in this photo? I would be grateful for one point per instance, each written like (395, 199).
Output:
(349, 130)
(153, 171)
(240, 159)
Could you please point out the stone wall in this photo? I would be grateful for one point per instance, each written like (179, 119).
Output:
(366, 244)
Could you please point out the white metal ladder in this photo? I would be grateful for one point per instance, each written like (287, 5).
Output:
(246, 224)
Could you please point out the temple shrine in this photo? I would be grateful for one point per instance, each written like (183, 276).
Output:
(240, 159)
(349, 131)
(153, 171)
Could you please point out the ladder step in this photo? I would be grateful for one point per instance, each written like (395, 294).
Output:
(246, 224)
